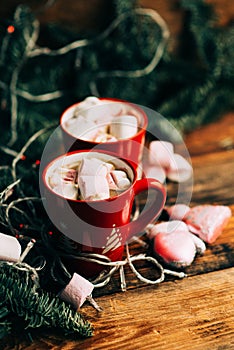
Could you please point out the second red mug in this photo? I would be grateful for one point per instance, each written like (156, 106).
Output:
(100, 226)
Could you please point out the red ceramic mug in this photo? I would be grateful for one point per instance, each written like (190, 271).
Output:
(130, 148)
(100, 226)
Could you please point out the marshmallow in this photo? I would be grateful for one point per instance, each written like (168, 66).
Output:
(111, 182)
(155, 171)
(104, 112)
(86, 103)
(55, 179)
(120, 179)
(92, 167)
(160, 152)
(93, 187)
(104, 137)
(124, 126)
(79, 126)
(167, 227)
(178, 211)
(208, 221)
(68, 175)
(77, 290)
(61, 176)
(180, 170)
(10, 249)
(199, 244)
(175, 248)
(67, 190)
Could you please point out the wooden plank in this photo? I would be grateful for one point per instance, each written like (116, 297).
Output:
(194, 313)
(212, 138)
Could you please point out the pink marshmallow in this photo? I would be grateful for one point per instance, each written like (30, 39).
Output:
(175, 248)
(77, 290)
(180, 170)
(208, 221)
(160, 153)
(177, 211)
(166, 227)
(93, 187)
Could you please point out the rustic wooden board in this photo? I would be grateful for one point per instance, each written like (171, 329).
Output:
(193, 313)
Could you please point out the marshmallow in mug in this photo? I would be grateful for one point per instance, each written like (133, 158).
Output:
(110, 122)
(89, 179)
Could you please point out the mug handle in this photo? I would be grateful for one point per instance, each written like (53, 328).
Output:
(153, 210)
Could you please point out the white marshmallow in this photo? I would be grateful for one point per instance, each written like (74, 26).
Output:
(92, 167)
(124, 126)
(77, 290)
(10, 249)
(55, 179)
(81, 126)
(120, 179)
(67, 190)
(180, 170)
(160, 152)
(111, 183)
(87, 103)
(199, 244)
(93, 187)
(178, 211)
(156, 172)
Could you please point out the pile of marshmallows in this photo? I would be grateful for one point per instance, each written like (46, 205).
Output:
(111, 121)
(161, 162)
(178, 240)
(92, 179)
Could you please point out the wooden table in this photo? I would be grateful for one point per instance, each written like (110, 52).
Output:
(191, 313)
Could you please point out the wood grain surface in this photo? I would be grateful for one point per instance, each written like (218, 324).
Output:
(192, 313)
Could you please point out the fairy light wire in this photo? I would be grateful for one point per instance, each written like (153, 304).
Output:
(32, 50)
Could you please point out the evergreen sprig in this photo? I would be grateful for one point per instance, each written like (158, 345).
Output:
(32, 307)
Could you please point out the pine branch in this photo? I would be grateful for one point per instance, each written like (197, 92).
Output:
(36, 308)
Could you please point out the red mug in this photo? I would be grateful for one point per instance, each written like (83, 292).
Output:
(130, 148)
(100, 226)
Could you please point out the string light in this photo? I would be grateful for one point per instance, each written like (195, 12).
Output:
(10, 29)
(32, 50)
